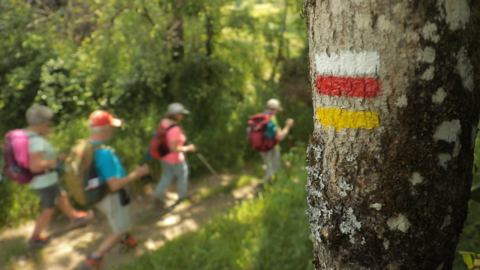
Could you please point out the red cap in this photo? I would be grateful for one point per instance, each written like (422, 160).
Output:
(103, 118)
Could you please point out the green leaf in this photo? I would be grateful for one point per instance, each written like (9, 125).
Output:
(467, 258)
(475, 194)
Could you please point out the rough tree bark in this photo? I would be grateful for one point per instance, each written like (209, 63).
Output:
(396, 100)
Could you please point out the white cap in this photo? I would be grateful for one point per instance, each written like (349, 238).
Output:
(274, 104)
(177, 108)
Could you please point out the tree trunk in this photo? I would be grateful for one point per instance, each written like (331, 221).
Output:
(396, 106)
(281, 42)
(209, 29)
(176, 27)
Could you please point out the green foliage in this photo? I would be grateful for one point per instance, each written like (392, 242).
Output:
(471, 259)
(22, 56)
(17, 204)
(470, 238)
(130, 57)
(267, 232)
(475, 195)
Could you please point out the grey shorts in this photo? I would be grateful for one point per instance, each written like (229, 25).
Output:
(49, 196)
(118, 216)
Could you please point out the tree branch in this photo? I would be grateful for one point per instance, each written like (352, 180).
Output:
(280, 43)
(146, 13)
(116, 14)
(37, 22)
(46, 7)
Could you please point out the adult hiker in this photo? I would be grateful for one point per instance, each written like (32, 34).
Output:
(265, 134)
(110, 171)
(170, 142)
(43, 161)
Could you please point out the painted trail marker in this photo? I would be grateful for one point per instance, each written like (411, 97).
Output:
(339, 119)
(351, 75)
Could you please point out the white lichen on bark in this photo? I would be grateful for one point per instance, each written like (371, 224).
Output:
(429, 74)
(439, 96)
(443, 160)
(343, 187)
(350, 224)
(429, 32)
(449, 131)
(416, 178)
(465, 69)
(321, 209)
(399, 223)
(386, 243)
(455, 12)
(427, 55)
(376, 206)
(402, 101)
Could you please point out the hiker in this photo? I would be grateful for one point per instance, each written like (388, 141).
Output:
(42, 159)
(115, 205)
(265, 134)
(172, 159)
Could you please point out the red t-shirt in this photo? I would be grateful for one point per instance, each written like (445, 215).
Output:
(174, 134)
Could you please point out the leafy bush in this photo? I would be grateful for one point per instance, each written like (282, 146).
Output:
(17, 204)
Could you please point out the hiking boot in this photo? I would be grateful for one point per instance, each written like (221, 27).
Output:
(128, 241)
(179, 201)
(92, 263)
(159, 203)
(81, 219)
(38, 242)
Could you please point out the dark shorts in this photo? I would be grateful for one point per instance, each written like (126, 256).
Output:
(49, 196)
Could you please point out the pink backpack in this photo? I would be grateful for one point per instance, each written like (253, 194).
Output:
(16, 158)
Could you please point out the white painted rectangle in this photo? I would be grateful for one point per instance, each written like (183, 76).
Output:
(348, 63)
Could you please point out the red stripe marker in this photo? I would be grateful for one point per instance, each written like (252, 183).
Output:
(348, 86)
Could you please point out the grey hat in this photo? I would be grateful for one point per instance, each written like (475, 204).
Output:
(177, 108)
(274, 104)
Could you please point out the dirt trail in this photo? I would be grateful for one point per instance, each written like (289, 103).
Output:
(151, 228)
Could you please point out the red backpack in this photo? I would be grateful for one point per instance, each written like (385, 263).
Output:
(16, 157)
(256, 135)
(158, 145)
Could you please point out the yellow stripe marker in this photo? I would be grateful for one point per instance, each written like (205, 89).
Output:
(339, 119)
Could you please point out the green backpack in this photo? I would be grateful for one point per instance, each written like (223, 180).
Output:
(81, 174)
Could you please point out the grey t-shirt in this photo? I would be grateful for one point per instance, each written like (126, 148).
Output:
(36, 143)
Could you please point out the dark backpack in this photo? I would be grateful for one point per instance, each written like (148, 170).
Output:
(158, 145)
(257, 133)
(16, 157)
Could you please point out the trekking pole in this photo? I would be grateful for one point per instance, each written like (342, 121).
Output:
(204, 161)
(200, 156)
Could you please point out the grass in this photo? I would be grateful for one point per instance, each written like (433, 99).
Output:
(241, 181)
(17, 256)
(15, 247)
(268, 232)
